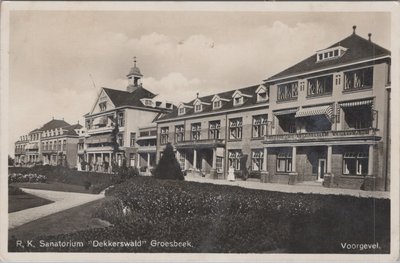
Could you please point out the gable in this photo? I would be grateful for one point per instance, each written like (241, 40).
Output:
(103, 100)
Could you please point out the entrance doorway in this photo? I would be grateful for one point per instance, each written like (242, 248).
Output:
(321, 169)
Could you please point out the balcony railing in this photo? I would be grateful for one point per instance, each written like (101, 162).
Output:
(202, 142)
(100, 130)
(322, 135)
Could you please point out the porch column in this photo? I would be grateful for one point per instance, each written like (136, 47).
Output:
(371, 160)
(194, 158)
(265, 159)
(294, 159)
(148, 160)
(329, 160)
(214, 160)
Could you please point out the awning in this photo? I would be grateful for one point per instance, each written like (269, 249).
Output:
(146, 138)
(99, 138)
(314, 111)
(348, 104)
(285, 112)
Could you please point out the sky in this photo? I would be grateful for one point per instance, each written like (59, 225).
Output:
(54, 55)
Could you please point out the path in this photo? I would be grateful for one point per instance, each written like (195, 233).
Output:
(62, 201)
(298, 188)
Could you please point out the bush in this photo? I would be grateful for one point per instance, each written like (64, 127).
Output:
(26, 178)
(12, 190)
(168, 166)
(87, 184)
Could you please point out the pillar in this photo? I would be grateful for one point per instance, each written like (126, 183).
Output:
(265, 159)
(148, 160)
(294, 149)
(329, 160)
(371, 160)
(194, 158)
(214, 160)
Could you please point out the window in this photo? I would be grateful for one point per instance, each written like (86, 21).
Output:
(214, 129)
(121, 119)
(320, 86)
(358, 79)
(120, 139)
(88, 125)
(235, 128)
(284, 161)
(262, 96)
(218, 164)
(237, 101)
(257, 159)
(338, 79)
(148, 102)
(288, 91)
(179, 133)
(182, 111)
(64, 145)
(198, 108)
(234, 158)
(195, 131)
(51, 146)
(355, 163)
(217, 104)
(359, 117)
(133, 139)
(59, 145)
(260, 125)
(164, 135)
(103, 106)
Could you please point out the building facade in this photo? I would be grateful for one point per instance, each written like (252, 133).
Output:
(113, 131)
(55, 143)
(323, 120)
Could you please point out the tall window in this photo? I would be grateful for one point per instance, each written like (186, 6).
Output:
(179, 133)
(214, 129)
(64, 145)
(235, 128)
(103, 106)
(164, 135)
(284, 161)
(218, 164)
(257, 159)
(355, 163)
(234, 158)
(320, 86)
(216, 104)
(358, 79)
(195, 131)
(121, 119)
(133, 139)
(59, 145)
(260, 125)
(288, 91)
(120, 139)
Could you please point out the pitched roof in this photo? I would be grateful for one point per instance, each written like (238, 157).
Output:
(70, 130)
(53, 124)
(226, 105)
(125, 98)
(358, 49)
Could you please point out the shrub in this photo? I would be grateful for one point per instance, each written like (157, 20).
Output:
(168, 166)
(12, 190)
(26, 178)
(87, 184)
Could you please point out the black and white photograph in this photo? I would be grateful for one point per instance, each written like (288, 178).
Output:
(208, 133)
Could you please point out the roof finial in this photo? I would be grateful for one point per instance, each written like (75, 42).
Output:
(197, 95)
(354, 29)
(134, 61)
(369, 37)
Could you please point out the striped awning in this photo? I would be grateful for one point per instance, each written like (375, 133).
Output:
(285, 112)
(99, 139)
(314, 111)
(348, 104)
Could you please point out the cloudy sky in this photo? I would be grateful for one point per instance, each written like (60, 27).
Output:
(53, 54)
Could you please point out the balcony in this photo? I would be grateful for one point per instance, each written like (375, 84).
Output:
(99, 149)
(19, 151)
(105, 129)
(343, 135)
(148, 148)
(204, 143)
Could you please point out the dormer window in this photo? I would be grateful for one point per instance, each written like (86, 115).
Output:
(182, 111)
(217, 104)
(147, 102)
(238, 98)
(198, 108)
(330, 53)
(262, 93)
(238, 101)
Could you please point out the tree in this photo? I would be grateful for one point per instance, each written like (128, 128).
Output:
(10, 161)
(168, 166)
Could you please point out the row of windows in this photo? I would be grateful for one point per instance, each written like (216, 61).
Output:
(353, 80)
(259, 129)
(54, 145)
(103, 120)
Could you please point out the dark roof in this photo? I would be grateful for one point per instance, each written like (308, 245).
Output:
(125, 98)
(358, 49)
(70, 130)
(54, 124)
(226, 105)
(135, 71)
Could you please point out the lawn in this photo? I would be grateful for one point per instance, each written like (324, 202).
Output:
(20, 200)
(227, 219)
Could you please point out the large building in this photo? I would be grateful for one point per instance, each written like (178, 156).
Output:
(324, 119)
(55, 143)
(114, 136)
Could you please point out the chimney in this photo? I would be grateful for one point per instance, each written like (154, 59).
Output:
(369, 37)
(354, 29)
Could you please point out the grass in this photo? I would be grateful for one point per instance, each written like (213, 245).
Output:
(67, 221)
(24, 201)
(54, 186)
